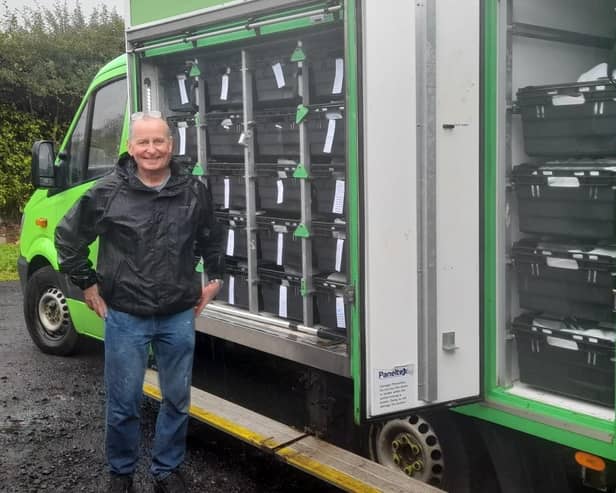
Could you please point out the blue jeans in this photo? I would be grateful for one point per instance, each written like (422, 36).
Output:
(127, 338)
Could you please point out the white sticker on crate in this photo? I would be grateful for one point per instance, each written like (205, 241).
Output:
(224, 85)
(563, 181)
(230, 242)
(562, 343)
(227, 192)
(182, 135)
(282, 301)
(279, 191)
(279, 75)
(280, 249)
(182, 86)
(338, 205)
(340, 314)
(339, 250)
(564, 100)
(329, 138)
(562, 263)
(339, 77)
(231, 296)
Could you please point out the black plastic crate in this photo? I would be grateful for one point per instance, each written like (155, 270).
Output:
(223, 81)
(569, 120)
(184, 133)
(281, 294)
(176, 101)
(223, 134)
(572, 199)
(277, 134)
(326, 69)
(228, 186)
(569, 358)
(566, 280)
(234, 234)
(275, 76)
(235, 288)
(331, 305)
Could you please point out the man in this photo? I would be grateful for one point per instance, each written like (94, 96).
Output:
(151, 219)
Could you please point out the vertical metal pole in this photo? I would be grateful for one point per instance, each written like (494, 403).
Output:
(425, 21)
(201, 137)
(249, 175)
(306, 197)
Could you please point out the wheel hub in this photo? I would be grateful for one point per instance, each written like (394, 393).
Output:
(53, 312)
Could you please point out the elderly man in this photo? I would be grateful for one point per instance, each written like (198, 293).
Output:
(152, 219)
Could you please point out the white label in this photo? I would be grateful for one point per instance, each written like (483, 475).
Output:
(277, 68)
(329, 138)
(339, 247)
(280, 249)
(393, 387)
(232, 290)
(280, 192)
(230, 242)
(338, 205)
(339, 77)
(340, 315)
(182, 85)
(562, 263)
(282, 302)
(227, 190)
(182, 136)
(564, 100)
(562, 343)
(563, 181)
(224, 87)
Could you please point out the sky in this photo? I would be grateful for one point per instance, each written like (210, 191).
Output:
(86, 5)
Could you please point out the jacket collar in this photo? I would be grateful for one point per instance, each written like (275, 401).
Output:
(126, 168)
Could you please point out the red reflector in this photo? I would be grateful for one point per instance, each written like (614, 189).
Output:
(41, 222)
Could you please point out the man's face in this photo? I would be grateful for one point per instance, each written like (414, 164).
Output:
(150, 144)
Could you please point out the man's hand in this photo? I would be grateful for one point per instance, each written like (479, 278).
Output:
(208, 293)
(94, 301)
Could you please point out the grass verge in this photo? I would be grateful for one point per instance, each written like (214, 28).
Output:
(8, 262)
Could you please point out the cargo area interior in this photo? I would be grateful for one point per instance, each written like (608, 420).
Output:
(278, 184)
(556, 230)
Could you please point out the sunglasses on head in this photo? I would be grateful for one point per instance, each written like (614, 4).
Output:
(145, 114)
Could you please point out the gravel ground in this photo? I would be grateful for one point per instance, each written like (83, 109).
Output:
(51, 426)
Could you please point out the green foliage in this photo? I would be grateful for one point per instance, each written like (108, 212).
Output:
(8, 262)
(18, 131)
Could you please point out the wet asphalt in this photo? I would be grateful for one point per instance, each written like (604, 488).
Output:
(51, 426)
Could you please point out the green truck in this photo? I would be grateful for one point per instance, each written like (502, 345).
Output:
(418, 200)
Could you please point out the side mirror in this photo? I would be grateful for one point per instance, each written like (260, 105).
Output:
(43, 169)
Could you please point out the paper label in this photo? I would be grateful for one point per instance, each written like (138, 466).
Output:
(227, 190)
(280, 192)
(280, 249)
(182, 136)
(224, 87)
(393, 387)
(564, 100)
(339, 77)
(329, 138)
(230, 242)
(279, 75)
(282, 302)
(562, 263)
(340, 315)
(562, 343)
(339, 249)
(338, 205)
(182, 85)
(231, 296)
(563, 181)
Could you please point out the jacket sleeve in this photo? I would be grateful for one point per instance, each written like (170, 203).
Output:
(210, 237)
(73, 236)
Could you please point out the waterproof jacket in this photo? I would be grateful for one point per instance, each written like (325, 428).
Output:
(149, 241)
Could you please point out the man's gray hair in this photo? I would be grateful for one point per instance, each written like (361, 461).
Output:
(147, 115)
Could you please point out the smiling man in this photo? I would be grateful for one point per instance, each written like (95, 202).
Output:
(151, 218)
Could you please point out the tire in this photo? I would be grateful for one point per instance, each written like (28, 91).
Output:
(47, 316)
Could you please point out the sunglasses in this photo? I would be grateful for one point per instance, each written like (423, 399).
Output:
(140, 115)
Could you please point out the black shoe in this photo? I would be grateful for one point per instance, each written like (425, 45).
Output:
(173, 483)
(121, 483)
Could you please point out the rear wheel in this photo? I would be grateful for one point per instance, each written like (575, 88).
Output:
(47, 315)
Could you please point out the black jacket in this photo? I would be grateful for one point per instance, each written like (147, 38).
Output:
(149, 241)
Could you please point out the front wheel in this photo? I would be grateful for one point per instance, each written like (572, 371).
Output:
(46, 313)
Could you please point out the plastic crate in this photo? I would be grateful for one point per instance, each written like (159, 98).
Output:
(179, 100)
(235, 288)
(571, 280)
(281, 294)
(326, 69)
(332, 308)
(223, 81)
(184, 135)
(573, 359)
(223, 134)
(571, 199)
(275, 76)
(568, 120)
(234, 234)
(228, 186)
